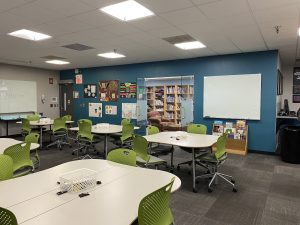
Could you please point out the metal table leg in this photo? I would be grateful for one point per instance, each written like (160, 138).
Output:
(194, 170)
(41, 138)
(105, 145)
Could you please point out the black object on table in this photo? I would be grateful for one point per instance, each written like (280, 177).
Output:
(289, 144)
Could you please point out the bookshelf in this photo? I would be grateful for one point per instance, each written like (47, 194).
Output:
(237, 142)
(167, 100)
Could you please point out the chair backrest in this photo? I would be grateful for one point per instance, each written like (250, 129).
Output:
(7, 217)
(123, 156)
(19, 154)
(32, 138)
(127, 131)
(26, 125)
(196, 128)
(33, 117)
(152, 130)
(85, 129)
(6, 168)
(125, 121)
(154, 208)
(140, 146)
(221, 147)
(59, 124)
(67, 118)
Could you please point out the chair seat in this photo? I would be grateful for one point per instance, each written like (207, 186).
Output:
(152, 161)
(210, 158)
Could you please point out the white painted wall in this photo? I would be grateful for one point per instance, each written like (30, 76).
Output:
(41, 76)
(287, 72)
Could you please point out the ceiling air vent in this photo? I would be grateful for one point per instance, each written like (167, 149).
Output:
(179, 39)
(77, 47)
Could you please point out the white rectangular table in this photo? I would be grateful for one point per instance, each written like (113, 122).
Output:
(34, 201)
(187, 140)
(41, 124)
(105, 130)
(7, 142)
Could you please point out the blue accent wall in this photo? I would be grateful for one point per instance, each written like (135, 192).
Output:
(261, 133)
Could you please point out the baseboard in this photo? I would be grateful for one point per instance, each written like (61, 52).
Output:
(262, 152)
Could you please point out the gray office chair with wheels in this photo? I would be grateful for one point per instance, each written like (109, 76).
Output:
(212, 161)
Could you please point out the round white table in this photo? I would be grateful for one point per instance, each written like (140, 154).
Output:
(105, 130)
(187, 140)
(7, 142)
(34, 201)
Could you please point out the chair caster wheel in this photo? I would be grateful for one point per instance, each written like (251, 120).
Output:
(209, 190)
(171, 170)
(197, 182)
(189, 173)
(178, 167)
(232, 181)
(195, 190)
(60, 149)
(234, 190)
(73, 153)
(70, 146)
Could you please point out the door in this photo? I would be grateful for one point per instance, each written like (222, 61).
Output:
(66, 99)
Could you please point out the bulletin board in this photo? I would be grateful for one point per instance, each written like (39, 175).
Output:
(109, 90)
(90, 91)
(128, 90)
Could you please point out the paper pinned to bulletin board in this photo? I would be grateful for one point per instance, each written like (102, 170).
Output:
(111, 110)
(90, 91)
(129, 110)
(78, 79)
(95, 110)
(109, 90)
(128, 90)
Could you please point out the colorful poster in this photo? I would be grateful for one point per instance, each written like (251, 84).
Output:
(78, 79)
(109, 90)
(128, 90)
(111, 110)
(90, 91)
(129, 110)
(95, 110)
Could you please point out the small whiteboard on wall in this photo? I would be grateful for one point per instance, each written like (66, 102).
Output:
(232, 96)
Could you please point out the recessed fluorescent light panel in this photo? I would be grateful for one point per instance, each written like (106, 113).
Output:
(111, 55)
(127, 10)
(57, 62)
(190, 45)
(29, 35)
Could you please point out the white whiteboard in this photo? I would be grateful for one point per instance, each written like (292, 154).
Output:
(17, 96)
(232, 96)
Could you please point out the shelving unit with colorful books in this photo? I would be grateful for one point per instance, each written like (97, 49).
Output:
(237, 142)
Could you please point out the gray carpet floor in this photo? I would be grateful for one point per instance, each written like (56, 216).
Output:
(268, 190)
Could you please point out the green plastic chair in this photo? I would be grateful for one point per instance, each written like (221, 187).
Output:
(193, 129)
(20, 154)
(26, 129)
(33, 117)
(34, 138)
(122, 156)
(60, 132)
(154, 209)
(67, 118)
(85, 138)
(6, 168)
(140, 146)
(127, 133)
(152, 130)
(7, 217)
(212, 161)
(125, 121)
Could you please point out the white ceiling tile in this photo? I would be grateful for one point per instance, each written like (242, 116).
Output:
(36, 13)
(166, 32)
(266, 4)
(9, 4)
(95, 18)
(224, 8)
(150, 23)
(64, 7)
(120, 28)
(202, 2)
(160, 6)
(183, 16)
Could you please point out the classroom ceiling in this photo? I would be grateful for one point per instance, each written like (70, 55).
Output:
(224, 26)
